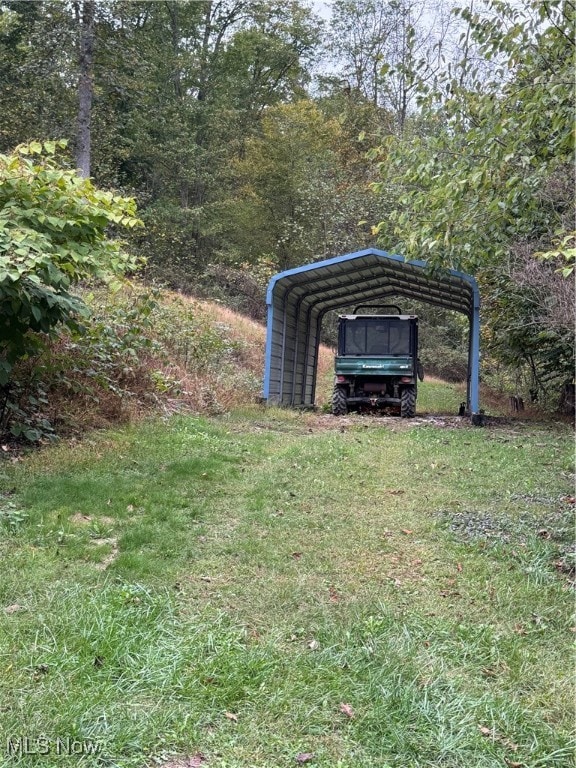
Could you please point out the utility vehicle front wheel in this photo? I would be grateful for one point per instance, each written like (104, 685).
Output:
(339, 404)
(408, 403)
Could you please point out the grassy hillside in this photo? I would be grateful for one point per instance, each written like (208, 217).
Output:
(144, 351)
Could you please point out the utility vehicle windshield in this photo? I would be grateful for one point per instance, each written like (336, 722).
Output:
(375, 336)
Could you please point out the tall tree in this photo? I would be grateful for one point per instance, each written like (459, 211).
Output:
(85, 14)
(36, 49)
(385, 51)
(302, 189)
(231, 60)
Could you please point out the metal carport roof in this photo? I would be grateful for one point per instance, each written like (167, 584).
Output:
(299, 298)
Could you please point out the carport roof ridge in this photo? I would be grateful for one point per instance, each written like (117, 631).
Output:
(467, 296)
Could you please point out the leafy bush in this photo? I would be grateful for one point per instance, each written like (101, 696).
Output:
(142, 349)
(95, 368)
(53, 233)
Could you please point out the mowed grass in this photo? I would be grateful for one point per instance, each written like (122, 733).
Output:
(270, 588)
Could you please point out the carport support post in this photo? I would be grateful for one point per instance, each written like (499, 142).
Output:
(474, 361)
(268, 354)
(283, 353)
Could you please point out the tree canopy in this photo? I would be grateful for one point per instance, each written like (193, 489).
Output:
(256, 136)
(484, 181)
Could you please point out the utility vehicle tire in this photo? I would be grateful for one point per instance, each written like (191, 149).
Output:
(408, 403)
(339, 404)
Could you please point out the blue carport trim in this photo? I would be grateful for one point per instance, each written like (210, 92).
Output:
(474, 357)
(472, 310)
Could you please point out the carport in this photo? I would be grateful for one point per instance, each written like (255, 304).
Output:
(298, 299)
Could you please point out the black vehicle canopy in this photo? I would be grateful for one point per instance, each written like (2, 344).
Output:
(369, 335)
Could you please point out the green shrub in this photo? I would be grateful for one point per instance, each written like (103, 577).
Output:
(446, 363)
(140, 348)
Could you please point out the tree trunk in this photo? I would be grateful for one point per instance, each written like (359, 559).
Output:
(85, 87)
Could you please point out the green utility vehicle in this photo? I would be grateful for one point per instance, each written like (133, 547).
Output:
(377, 365)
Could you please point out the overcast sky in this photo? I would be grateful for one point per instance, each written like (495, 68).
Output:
(322, 8)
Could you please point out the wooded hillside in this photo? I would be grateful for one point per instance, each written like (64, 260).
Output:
(256, 136)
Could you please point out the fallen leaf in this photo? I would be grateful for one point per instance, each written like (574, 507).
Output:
(304, 757)
(509, 744)
(570, 499)
(514, 764)
(13, 608)
(396, 493)
(485, 731)
(130, 508)
(459, 567)
(334, 596)
(313, 645)
(205, 578)
(196, 760)
(407, 531)
(347, 710)
(489, 671)
(296, 555)
(232, 716)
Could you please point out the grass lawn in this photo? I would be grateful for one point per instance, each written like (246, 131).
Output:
(271, 588)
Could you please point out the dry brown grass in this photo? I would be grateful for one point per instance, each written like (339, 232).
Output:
(252, 339)
(243, 329)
